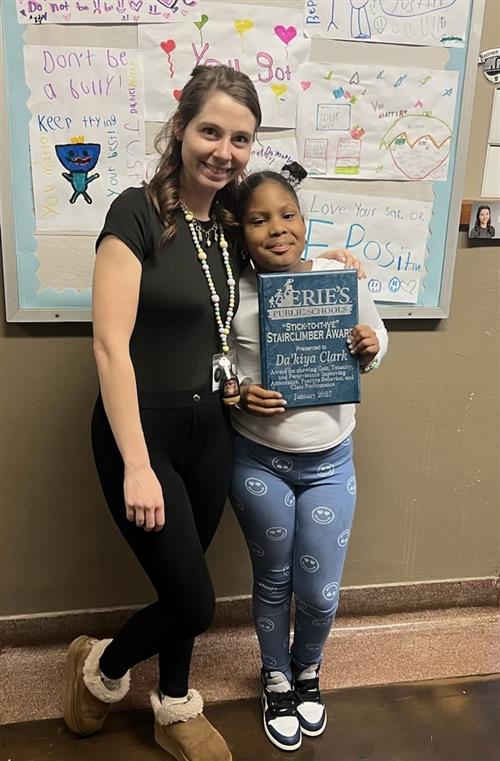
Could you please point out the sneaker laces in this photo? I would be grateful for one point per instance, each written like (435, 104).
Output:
(281, 703)
(307, 690)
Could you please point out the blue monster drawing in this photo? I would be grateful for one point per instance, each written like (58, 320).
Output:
(79, 158)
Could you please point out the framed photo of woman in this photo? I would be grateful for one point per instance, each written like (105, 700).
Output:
(484, 221)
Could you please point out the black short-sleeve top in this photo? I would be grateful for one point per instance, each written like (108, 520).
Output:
(175, 334)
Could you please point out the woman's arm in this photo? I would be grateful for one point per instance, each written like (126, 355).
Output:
(117, 277)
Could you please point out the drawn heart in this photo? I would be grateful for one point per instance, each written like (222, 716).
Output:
(166, 15)
(286, 34)
(66, 17)
(136, 18)
(135, 5)
(408, 287)
(305, 85)
(184, 13)
(426, 156)
(167, 46)
(279, 89)
(201, 23)
(177, 94)
(243, 25)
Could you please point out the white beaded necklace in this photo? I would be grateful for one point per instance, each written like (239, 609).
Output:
(223, 327)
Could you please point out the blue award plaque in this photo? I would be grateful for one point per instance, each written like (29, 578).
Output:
(305, 319)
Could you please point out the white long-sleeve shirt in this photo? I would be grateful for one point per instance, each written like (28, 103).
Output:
(301, 429)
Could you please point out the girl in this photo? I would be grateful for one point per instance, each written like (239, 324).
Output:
(293, 484)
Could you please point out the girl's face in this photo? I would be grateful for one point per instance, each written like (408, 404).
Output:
(484, 216)
(274, 229)
(216, 144)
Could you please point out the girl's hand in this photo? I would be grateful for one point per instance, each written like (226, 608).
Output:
(364, 343)
(260, 401)
(144, 498)
(350, 261)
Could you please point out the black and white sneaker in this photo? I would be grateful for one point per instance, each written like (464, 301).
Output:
(281, 723)
(311, 710)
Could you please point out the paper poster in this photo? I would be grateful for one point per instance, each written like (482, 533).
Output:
(403, 22)
(272, 153)
(265, 43)
(104, 11)
(65, 262)
(491, 176)
(494, 136)
(86, 132)
(375, 122)
(388, 235)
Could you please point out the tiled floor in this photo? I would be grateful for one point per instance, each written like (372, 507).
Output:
(447, 720)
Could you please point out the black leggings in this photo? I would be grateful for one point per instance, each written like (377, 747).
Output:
(190, 451)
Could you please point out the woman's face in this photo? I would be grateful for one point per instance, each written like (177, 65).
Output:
(484, 217)
(274, 228)
(216, 143)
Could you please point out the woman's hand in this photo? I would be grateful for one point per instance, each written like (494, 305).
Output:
(364, 343)
(260, 401)
(144, 498)
(350, 261)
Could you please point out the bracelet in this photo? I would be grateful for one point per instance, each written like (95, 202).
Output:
(371, 365)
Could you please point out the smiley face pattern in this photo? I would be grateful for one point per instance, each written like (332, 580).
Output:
(296, 512)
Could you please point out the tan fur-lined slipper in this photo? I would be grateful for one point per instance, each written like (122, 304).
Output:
(86, 699)
(184, 732)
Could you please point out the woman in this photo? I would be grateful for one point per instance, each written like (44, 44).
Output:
(159, 434)
(164, 295)
(482, 226)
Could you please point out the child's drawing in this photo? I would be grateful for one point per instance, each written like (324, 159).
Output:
(403, 22)
(264, 42)
(79, 158)
(394, 123)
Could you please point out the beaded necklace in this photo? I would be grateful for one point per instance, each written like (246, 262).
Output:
(197, 236)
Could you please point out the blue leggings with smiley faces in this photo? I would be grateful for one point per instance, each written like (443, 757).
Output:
(296, 512)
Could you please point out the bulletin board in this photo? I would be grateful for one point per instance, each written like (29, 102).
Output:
(340, 86)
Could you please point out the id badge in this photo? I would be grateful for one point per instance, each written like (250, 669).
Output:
(223, 366)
